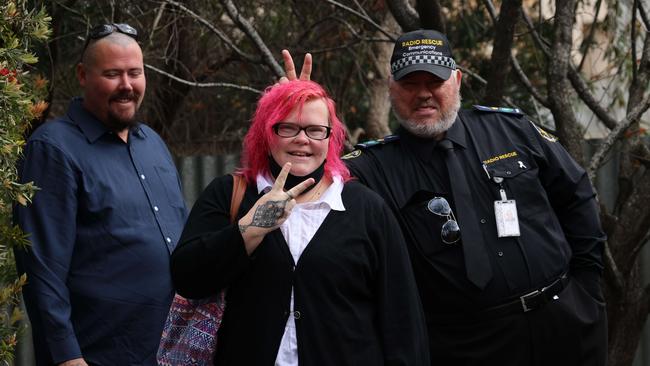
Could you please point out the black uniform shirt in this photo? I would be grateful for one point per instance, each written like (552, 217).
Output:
(555, 202)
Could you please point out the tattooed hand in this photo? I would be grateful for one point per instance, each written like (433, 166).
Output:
(271, 210)
(267, 215)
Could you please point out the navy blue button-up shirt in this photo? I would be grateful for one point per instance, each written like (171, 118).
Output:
(102, 228)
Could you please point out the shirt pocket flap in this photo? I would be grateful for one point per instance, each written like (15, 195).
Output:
(508, 168)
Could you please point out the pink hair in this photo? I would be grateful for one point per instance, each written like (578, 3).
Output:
(277, 102)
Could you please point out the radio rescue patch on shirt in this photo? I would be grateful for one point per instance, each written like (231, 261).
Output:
(512, 154)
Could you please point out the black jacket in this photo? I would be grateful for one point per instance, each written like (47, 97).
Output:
(355, 299)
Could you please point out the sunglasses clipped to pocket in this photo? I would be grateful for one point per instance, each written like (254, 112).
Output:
(450, 231)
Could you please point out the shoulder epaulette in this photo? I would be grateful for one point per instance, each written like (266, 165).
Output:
(382, 141)
(547, 135)
(515, 111)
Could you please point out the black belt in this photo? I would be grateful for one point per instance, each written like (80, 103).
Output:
(527, 302)
(522, 304)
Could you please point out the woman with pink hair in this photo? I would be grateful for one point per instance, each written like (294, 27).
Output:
(315, 267)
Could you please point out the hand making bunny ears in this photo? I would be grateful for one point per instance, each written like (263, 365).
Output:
(290, 68)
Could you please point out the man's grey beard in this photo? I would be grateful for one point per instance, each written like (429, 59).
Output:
(432, 129)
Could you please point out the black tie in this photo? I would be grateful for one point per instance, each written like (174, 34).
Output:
(477, 262)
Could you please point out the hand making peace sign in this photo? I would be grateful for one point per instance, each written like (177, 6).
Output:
(271, 210)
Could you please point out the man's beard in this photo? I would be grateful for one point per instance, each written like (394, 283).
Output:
(432, 128)
(118, 123)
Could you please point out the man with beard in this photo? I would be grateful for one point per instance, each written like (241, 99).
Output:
(105, 220)
(501, 222)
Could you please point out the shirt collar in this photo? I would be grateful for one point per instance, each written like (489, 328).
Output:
(90, 126)
(331, 197)
(456, 133)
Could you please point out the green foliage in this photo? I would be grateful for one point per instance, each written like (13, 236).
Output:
(21, 101)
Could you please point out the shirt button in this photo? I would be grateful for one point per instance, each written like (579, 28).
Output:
(168, 239)
(508, 172)
(483, 221)
(142, 176)
(500, 253)
(296, 314)
(155, 208)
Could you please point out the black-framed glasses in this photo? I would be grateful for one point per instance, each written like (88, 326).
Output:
(450, 232)
(104, 30)
(314, 132)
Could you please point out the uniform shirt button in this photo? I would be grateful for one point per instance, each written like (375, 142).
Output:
(168, 239)
(142, 176)
(155, 208)
(483, 221)
(296, 314)
(500, 253)
(508, 172)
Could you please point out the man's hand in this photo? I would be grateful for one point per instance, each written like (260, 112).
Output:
(290, 68)
(75, 362)
(271, 210)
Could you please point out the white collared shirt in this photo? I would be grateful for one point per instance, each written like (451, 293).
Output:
(298, 230)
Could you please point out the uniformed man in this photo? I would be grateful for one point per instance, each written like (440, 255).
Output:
(502, 223)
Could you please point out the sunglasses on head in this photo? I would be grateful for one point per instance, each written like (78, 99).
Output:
(104, 30)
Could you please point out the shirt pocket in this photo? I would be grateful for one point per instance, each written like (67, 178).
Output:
(509, 169)
(426, 226)
(519, 178)
(169, 181)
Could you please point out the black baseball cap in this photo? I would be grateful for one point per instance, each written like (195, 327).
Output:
(422, 50)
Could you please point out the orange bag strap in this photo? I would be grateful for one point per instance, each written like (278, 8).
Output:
(238, 189)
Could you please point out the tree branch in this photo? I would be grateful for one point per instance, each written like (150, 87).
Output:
(407, 17)
(215, 30)
(576, 80)
(637, 248)
(202, 85)
(614, 135)
(250, 31)
(616, 273)
(472, 74)
(523, 78)
(357, 38)
(541, 44)
(504, 31)
(587, 41)
(431, 15)
(364, 17)
(558, 86)
(641, 78)
(633, 40)
(156, 20)
(644, 17)
(588, 98)
(519, 72)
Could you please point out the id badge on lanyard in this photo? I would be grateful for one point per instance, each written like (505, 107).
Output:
(505, 214)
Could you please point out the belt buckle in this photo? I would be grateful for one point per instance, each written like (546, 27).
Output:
(529, 295)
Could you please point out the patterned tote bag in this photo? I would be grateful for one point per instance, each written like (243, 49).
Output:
(189, 336)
